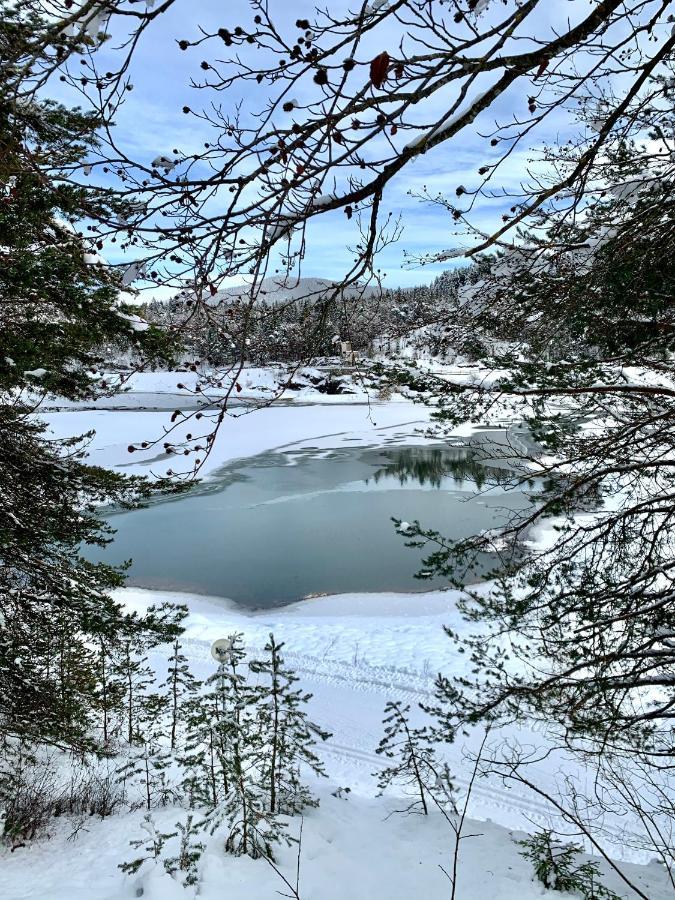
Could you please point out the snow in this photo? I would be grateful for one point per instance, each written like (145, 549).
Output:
(324, 199)
(353, 652)
(275, 290)
(444, 127)
(356, 848)
(241, 434)
(164, 161)
(98, 23)
(132, 272)
(94, 259)
(376, 6)
(284, 225)
(136, 323)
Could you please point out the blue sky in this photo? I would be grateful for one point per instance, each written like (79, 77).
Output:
(151, 122)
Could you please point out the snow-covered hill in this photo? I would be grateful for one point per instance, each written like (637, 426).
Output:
(280, 290)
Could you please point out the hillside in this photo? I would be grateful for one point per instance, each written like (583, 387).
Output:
(279, 290)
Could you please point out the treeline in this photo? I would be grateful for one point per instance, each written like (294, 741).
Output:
(228, 330)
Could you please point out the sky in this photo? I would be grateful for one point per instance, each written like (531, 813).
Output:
(151, 122)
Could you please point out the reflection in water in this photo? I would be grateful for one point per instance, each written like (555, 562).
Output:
(433, 465)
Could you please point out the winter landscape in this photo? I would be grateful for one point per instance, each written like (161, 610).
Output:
(336, 441)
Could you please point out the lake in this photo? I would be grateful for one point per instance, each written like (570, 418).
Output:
(304, 520)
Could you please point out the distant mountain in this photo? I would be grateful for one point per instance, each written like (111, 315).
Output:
(279, 290)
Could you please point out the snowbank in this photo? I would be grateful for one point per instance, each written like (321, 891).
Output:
(351, 848)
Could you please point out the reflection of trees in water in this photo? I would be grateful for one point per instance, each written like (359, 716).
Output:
(430, 465)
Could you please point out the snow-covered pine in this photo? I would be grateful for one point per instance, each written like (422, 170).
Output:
(288, 735)
(251, 828)
(189, 852)
(110, 689)
(151, 847)
(560, 866)
(180, 686)
(141, 705)
(145, 768)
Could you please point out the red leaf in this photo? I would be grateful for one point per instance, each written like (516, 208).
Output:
(213, 290)
(238, 387)
(378, 69)
(541, 69)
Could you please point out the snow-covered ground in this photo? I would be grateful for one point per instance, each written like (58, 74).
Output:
(252, 384)
(356, 848)
(354, 653)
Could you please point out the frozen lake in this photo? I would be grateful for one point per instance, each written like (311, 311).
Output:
(286, 524)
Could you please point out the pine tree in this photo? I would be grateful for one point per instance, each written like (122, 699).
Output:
(189, 853)
(288, 735)
(111, 689)
(179, 685)
(57, 308)
(146, 766)
(414, 765)
(151, 846)
(213, 719)
(224, 758)
(251, 829)
(204, 782)
(558, 867)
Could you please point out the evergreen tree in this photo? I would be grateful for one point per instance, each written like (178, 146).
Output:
(225, 758)
(147, 766)
(213, 720)
(288, 736)
(189, 853)
(57, 305)
(558, 867)
(251, 828)
(111, 689)
(151, 847)
(142, 706)
(413, 763)
(204, 781)
(179, 686)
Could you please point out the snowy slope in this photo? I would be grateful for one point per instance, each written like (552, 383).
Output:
(353, 652)
(280, 290)
(352, 849)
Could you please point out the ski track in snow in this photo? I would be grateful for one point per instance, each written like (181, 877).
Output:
(357, 676)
